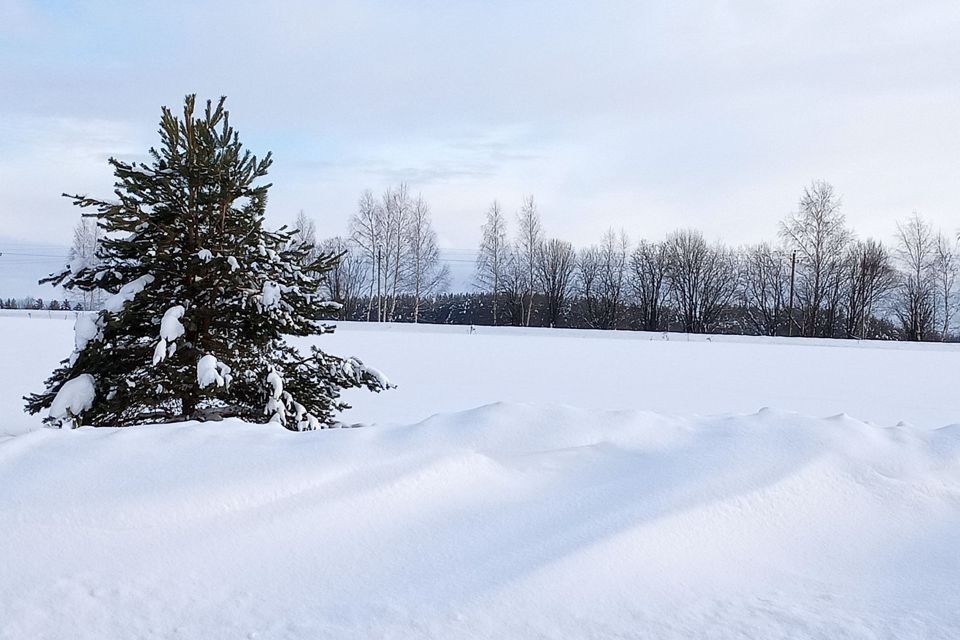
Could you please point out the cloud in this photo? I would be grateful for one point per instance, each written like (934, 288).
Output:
(42, 157)
(647, 116)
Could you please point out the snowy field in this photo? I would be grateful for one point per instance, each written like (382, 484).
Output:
(517, 484)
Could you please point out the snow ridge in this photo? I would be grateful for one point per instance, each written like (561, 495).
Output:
(509, 520)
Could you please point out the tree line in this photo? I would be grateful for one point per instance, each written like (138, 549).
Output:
(817, 279)
(38, 304)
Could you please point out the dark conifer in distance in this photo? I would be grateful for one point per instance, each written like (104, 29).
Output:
(203, 297)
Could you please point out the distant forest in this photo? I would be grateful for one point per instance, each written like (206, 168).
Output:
(817, 279)
(38, 304)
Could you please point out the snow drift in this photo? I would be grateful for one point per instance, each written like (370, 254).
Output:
(510, 520)
(447, 369)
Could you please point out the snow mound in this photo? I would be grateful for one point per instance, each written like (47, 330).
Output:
(73, 398)
(86, 329)
(212, 371)
(116, 302)
(170, 326)
(506, 521)
(271, 295)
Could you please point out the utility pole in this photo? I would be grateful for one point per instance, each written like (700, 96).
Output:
(379, 298)
(793, 271)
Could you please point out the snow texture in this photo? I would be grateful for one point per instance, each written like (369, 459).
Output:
(209, 371)
(170, 329)
(86, 329)
(78, 264)
(446, 368)
(170, 326)
(114, 303)
(159, 352)
(205, 255)
(354, 368)
(514, 519)
(274, 407)
(276, 384)
(271, 295)
(75, 396)
(506, 521)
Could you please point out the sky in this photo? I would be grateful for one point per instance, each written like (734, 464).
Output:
(645, 116)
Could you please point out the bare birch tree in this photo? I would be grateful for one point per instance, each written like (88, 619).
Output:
(399, 209)
(818, 232)
(366, 231)
(345, 282)
(83, 253)
(648, 280)
(870, 278)
(602, 276)
(305, 232)
(529, 239)
(556, 262)
(946, 265)
(493, 256)
(703, 280)
(766, 284)
(514, 291)
(916, 300)
(426, 273)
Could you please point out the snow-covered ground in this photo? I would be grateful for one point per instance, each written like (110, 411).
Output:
(572, 485)
(445, 368)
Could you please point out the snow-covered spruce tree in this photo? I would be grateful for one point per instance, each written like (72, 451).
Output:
(203, 296)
